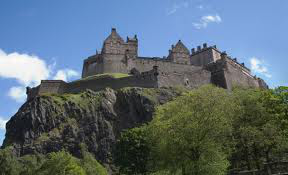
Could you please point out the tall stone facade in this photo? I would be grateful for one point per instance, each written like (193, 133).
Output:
(203, 65)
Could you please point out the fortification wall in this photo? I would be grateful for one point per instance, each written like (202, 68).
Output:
(185, 79)
(144, 80)
(52, 86)
(47, 86)
(239, 77)
(228, 73)
(204, 56)
(143, 65)
(92, 66)
(114, 64)
(32, 92)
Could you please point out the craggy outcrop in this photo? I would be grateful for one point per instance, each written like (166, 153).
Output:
(54, 122)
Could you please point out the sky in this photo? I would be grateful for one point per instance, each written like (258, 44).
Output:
(49, 39)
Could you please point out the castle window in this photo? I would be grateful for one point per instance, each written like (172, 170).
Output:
(186, 82)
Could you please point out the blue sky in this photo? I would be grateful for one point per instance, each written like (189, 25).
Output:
(49, 39)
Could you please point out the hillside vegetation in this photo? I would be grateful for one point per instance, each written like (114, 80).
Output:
(206, 131)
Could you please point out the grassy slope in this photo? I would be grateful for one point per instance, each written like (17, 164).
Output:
(99, 76)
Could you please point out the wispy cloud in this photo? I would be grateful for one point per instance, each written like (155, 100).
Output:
(17, 93)
(27, 70)
(2, 123)
(176, 7)
(259, 66)
(205, 20)
(65, 74)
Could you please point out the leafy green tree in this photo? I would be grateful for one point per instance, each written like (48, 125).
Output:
(30, 163)
(191, 134)
(61, 163)
(9, 164)
(132, 152)
(259, 128)
(90, 164)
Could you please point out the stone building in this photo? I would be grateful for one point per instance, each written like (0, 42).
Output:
(203, 65)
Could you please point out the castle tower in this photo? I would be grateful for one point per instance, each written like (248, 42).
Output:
(204, 55)
(179, 53)
(113, 44)
(132, 46)
(118, 55)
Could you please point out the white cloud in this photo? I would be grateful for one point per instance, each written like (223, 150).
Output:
(205, 20)
(28, 70)
(176, 7)
(65, 74)
(3, 123)
(258, 66)
(17, 93)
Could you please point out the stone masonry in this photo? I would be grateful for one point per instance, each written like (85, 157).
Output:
(203, 65)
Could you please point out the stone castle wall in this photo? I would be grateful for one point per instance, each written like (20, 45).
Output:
(148, 79)
(47, 86)
(228, 73)
(204, 65)
(205, 55)
(186, 79)
(164, 65)
(145, 80)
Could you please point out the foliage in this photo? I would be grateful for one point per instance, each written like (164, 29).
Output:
(61, 163)
(8, 162)
(56, 163)
(191, 133)
(90, 164)
(132, 152)
(204, 131)
(260, 128)
(30, 163)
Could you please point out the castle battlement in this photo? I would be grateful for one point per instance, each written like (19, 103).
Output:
(205, 64)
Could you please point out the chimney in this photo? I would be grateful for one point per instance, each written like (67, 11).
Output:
(205, 45)
(198, 48)
(113, 30)
(193, 51)
(223, 55)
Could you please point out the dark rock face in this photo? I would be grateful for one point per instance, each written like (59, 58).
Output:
(55, 122)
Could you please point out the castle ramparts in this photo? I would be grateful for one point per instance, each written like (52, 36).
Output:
(203, 65)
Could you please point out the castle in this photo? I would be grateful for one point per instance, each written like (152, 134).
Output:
(203, 65)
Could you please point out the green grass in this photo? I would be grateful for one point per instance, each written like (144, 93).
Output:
(99, 76)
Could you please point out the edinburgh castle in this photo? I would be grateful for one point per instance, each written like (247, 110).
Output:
(181, 67)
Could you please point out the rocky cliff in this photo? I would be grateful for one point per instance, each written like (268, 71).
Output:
(54, 122)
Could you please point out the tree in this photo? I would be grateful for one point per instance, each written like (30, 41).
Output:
(259, 128)
(190, 134)
(132, 152)
(61, 163)
(30, 163)
(9, 164)
(90, 164)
